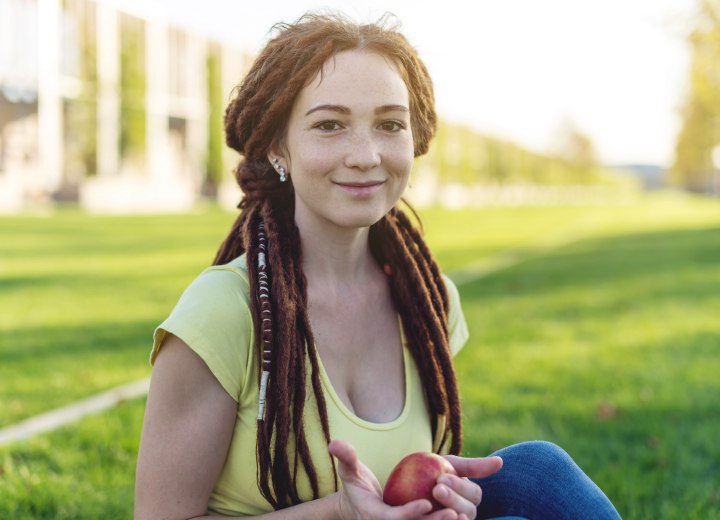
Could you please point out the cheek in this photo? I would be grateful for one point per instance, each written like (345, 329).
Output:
(399, 160)
(311, 159)
(320, 159)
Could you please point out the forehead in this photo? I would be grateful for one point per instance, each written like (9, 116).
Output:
(356, 77)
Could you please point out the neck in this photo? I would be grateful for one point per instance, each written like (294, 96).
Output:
(337, 257)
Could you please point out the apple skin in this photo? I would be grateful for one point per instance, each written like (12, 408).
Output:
(414, 477)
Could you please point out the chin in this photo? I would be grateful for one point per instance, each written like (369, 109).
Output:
(363, 219)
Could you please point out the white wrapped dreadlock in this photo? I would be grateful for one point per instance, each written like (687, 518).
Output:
(266, 314)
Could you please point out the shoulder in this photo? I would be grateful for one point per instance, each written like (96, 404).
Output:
(234, 273)
(452, 290)
(213, 317)
(219, 286)
(457, 327)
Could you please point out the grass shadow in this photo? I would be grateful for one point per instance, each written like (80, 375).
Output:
(609, 347)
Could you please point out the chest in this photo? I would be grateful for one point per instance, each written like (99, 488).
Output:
(379, 446)
(360, 347)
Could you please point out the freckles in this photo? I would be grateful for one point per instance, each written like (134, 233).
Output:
(399, 160)
(314, 164)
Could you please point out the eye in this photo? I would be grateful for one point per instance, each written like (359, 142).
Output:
(328, 126)
(392, 126)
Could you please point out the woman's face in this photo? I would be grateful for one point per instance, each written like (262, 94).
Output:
(349, 145)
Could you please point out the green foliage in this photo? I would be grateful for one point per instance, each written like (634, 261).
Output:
(80, 112)
(132, 88)
(593, 327)
(464, 156)
(214, 160)
(700, 131)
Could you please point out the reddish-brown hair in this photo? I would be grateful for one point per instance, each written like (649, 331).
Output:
(255, 122)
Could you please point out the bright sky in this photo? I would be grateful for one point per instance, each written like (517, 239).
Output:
(518, 69)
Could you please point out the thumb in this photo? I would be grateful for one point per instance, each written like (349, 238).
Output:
(346, 457)
(475, 467)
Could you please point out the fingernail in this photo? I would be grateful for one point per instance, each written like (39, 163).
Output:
(442, 492)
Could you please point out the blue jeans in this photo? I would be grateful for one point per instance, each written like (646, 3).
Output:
(540, 481)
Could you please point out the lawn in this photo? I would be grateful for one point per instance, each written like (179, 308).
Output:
(594, 327)
(79, 297)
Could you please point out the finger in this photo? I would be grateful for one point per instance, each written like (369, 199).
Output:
(476, 467)
(442, 514)
(347, 458)
(413, 509)
(452, 500)
(463, 487)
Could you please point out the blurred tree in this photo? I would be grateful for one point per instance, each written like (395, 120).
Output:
(700, 131)
(79, 104)
(573, 146)
(89, 91)
(465, 156)
(214, 158)
(132, 88)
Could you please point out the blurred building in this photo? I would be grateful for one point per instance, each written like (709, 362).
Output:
(107, 103)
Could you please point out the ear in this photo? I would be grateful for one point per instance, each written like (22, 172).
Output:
(275, 160)
(277, 153)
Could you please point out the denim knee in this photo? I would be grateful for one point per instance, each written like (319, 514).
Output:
(540, 480)
(552, 457)
(551, 462)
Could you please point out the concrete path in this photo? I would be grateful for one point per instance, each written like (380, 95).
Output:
(58, 417)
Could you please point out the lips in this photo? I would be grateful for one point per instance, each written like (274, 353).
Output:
(360, 188)
(363, 184)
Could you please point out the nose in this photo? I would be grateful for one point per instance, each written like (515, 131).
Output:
(363, 152)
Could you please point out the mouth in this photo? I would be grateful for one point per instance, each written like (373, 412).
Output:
(360, 188)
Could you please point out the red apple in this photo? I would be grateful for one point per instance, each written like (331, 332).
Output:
(414, 477)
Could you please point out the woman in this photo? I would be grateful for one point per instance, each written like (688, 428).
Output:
(325, 316)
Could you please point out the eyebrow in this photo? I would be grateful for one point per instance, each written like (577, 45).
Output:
(345, 110)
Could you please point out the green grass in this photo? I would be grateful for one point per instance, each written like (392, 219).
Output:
(594, 327)
(83, 471)
(611, 348)
(79, 297)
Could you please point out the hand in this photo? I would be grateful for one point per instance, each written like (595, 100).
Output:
(361, 494)
(460, 494)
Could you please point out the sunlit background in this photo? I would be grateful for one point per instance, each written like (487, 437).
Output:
(118, 104)
(572, 193)
(521, 70)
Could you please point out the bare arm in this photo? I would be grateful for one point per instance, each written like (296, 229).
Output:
(187, 429)
(186, 434)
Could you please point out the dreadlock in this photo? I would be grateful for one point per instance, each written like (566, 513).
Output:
(254, 123)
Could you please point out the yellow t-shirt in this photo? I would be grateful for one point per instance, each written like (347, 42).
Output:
(213, 318)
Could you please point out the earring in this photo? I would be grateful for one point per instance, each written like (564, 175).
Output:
(280, 169)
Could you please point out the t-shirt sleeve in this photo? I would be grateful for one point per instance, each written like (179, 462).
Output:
(213, 318)
(457, 326)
